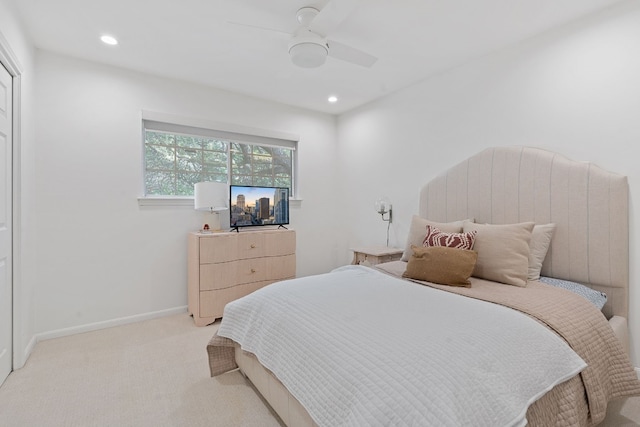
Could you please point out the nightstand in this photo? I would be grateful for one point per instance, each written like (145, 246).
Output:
(373, 255)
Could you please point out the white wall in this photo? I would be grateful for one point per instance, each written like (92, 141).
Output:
(24, 257)
(91, 254)
(575, 91)
(100, 255)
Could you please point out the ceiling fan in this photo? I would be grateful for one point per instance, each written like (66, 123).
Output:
(309, 45)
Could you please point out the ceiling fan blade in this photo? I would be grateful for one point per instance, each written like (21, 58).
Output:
(332, 15)
(258, 27)
(350, 54)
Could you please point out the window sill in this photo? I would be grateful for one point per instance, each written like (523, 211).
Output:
(188, 202)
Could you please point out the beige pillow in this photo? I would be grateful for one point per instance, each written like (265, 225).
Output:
(418, 231)
(503, 251)
(538, 247)
(441, 264)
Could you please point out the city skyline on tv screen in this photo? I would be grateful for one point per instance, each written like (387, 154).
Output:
(254, 206)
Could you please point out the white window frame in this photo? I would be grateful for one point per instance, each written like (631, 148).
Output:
(228, 132)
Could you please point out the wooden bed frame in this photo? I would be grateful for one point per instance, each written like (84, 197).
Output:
(504, 185)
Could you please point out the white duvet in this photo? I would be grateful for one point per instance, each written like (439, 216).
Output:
(357, 347)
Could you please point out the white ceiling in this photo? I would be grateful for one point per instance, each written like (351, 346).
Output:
(193, 40)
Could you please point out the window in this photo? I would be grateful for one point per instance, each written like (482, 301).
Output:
(178, 156)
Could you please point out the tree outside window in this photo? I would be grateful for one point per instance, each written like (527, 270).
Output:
(174, 162)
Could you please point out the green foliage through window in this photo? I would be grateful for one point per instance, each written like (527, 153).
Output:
(175, 162)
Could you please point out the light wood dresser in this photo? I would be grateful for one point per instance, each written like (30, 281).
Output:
(226, 266)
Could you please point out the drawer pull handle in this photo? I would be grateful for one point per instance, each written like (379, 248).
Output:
(253, 270)
(253, 246)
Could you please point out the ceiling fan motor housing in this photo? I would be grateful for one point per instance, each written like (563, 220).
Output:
(305, 15)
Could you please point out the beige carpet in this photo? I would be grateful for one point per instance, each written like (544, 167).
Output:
(152, 373)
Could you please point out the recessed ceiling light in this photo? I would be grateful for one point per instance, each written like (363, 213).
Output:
(333, 99)
(109, 40)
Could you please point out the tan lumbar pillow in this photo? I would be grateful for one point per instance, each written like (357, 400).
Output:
(441, 264)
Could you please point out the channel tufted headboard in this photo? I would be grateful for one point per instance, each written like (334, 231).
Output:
(589, 206)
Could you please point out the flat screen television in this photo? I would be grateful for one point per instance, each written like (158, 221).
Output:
(252, 206)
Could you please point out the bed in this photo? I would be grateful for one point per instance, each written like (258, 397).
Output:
(574, 356)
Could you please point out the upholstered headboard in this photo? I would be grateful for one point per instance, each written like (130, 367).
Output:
(589, 206)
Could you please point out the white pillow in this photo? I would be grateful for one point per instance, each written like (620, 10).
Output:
(538, 247)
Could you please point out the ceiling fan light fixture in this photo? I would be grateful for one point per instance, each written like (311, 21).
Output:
(308, 54)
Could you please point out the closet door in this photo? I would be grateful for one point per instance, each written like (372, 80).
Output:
(6, 207)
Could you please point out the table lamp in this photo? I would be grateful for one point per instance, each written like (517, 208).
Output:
(212, 197)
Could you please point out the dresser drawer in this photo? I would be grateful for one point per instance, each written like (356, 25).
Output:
(218, 248)
(227, 274)
(280, 243)
(281, 267)
(212, 302)
(233, 246)
(251, 245)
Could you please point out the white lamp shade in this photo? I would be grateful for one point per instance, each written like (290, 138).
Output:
(211, 196)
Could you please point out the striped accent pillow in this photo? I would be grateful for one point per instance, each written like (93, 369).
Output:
(437, 237)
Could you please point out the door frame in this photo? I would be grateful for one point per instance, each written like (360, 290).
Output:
(11, 63)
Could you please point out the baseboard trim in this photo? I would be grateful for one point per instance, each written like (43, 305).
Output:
(21, 358)
(106, 324)
(27, 351)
